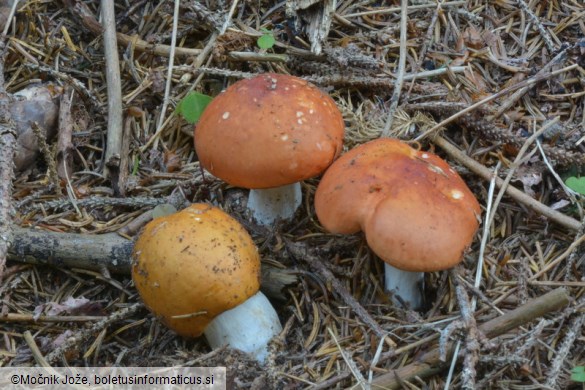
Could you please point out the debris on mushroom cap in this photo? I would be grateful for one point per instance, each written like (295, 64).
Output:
(416, 212)
(193, 265)
(269, 131)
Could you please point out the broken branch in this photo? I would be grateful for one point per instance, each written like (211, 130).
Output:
(99, 251)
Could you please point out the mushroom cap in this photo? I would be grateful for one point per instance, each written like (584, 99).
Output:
(416, 212)
(193, 265)
(269, 131)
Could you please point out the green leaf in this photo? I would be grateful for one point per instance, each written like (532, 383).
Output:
(578, 374)
(577, 184)
(163, 209)
(266, 41)
(192, 106)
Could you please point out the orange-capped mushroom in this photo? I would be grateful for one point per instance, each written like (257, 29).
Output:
(198, 269)
(416, 212)
(270, 132)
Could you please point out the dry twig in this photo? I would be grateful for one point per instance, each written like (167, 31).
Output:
(521, 85)
(516, 194)
(115, 132)
(7, 147)
(574, 332)
(85, 334)
(64, 145)
(430, 362)
(400, 73)
(81, 11)
(103, 251)
(314, 262)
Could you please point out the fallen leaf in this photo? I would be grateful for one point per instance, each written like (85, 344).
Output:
(473, 38)
(72, 306)
(33, 104)
(69, 305)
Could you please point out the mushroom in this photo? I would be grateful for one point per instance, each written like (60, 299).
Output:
(416, 212)
(198, 270)
(267, 134)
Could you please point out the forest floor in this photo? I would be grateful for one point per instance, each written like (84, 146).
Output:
(495, 88)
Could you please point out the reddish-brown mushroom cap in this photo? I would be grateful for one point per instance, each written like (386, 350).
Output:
(269, 131)
(416, 212)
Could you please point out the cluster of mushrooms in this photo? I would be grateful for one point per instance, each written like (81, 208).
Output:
(198, 270)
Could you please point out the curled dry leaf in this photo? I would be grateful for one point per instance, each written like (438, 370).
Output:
(529, 176)
(37, 103)
(473, 38)
(71, 306)
(172, 161)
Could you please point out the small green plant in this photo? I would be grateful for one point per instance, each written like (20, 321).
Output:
(577, 184)
(191, 106)
(578, 374)
(266, 41)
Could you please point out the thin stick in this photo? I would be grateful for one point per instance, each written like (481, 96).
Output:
(228, 19)
(47, 155)
(573, 333)
(103, 201)
(516, 164)
(17, 317)
(34, 348)
(486, 233)
(283, 58)
(548, 41)
(478, 271)
(85, 334)
(348, 360)
(572, 195)
(510, 101)
(513, 192)
(9, 19)
(41, 360)
(246, 56)
(430, 363)
(315, 262)
(87, 19)
(428, 40)
(390, 10)
(64, 145)
(522, 84)
(114, 141)
(80, 88)
(574, 245)
(163, 110)
(472, 337)
(400, 73)
(7, 147)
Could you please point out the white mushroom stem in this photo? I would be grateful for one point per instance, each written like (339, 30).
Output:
(405, 286)
(272, 204)
(247, 327)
